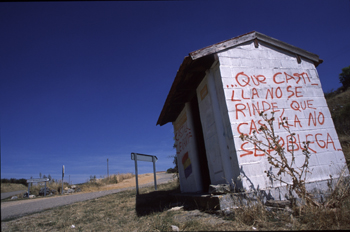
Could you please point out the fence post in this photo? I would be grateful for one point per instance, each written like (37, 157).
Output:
(62, 179)
(154, 171)
(136, 174)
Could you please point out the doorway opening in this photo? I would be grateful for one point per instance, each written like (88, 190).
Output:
(202, 155)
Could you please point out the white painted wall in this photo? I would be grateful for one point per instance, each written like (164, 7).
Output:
(207, 102)
(186, 151)
(215, 121)
(248, 75)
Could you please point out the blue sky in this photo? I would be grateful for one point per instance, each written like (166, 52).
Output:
(81, 82)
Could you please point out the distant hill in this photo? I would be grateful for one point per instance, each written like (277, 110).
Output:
(339, 105)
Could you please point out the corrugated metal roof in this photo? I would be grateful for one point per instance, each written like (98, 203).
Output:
(193, 67)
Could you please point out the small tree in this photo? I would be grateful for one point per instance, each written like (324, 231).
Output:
(279, 160)
(174, 170)
(344, 77)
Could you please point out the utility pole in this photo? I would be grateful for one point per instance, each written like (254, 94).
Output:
(107, 169)
(62, 179)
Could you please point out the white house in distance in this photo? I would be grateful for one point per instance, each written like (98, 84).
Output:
(218, 93)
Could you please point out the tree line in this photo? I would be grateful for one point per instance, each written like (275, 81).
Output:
(24, 181)
(14, 181)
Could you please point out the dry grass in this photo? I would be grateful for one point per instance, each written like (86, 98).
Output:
(98, 184)
(116, 178)
(10, 187)
(105, 183)
(150, 212)
(339, 106)
(92, 186)
(34, 189)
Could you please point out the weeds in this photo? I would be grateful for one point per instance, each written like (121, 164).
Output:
(117, 212)
(34, 189)
(277, 156)
(90, 186)
(340, 192)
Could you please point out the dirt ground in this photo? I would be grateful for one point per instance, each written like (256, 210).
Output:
(142, 179)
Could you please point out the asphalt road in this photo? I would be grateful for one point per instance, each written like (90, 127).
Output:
(12, 210)
(6, 195)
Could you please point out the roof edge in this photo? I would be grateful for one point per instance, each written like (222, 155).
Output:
(221, 46)
(285, 46)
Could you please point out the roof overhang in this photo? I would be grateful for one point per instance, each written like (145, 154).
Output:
(194, 66)
(188, 77)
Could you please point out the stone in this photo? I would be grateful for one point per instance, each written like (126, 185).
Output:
(48, 191)
(277, 203)
(42, 191)
(68, 190)
(73, 187)
(219, 189)
(288, 210)
(25, 195)
(174, 228)
(14, 198)
(31, 196)
(176, 208)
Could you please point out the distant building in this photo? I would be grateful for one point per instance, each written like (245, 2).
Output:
(218, 93)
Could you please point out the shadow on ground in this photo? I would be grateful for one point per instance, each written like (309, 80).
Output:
(156, 201)
(159, 201)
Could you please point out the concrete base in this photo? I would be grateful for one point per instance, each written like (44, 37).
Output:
(205, 201)
(202, 201)
(224, 202)
(277, 196)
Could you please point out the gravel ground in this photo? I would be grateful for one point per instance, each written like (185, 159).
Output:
(17, 209)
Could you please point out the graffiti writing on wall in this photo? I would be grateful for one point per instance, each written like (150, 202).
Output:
(186, 162)
(182, 134)
(286, 95)
(182, 138)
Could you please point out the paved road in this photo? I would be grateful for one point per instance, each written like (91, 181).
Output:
(6, 195)
(12, 210)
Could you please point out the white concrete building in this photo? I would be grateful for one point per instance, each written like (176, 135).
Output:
(218, 93)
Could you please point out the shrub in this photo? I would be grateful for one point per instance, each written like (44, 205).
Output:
(344, 77)
(276, 156)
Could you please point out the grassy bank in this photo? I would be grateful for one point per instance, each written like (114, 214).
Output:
(150, 212)
(97, 184)
(10, 187)
(339, 106)
(90, 186)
